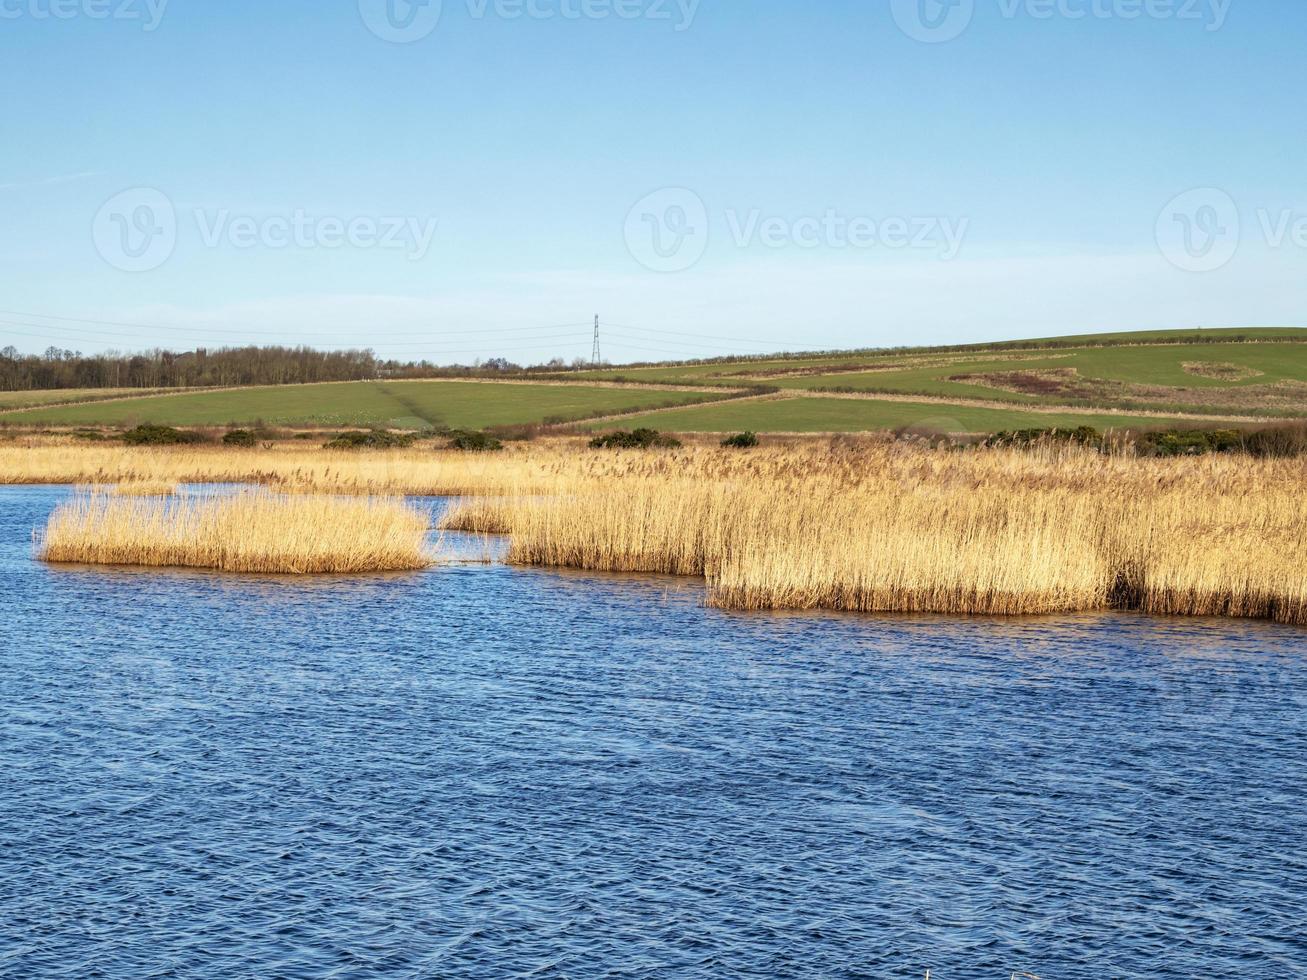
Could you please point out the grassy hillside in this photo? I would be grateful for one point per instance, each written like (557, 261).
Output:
(399, 404)
(1267, 377)
(817, 414)
(10, 400)
(1104, 380)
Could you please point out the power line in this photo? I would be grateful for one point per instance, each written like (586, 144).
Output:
(649, 339)
(174, 328)
(688, 349)
(770, 345)
(66, 335)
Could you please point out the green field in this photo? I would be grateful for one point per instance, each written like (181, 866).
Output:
(1263, 378)
(806, 414)
(1130, 366)
(398, 404)
(1105, 380)
(10, 400)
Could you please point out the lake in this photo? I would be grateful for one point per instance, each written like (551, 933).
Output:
(482, 771)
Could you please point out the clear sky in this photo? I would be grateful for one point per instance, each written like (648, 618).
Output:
(711, 176)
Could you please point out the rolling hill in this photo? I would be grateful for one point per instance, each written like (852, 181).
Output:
(1105, 380)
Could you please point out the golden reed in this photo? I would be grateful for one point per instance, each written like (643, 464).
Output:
(845, 524)
(247, 532)
(144, 488)
(891, 528)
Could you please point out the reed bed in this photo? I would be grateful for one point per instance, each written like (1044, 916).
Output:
(146, 488)
(864, 525)
(895, 529)
(473, 515)
(293, 469)
(248, 532)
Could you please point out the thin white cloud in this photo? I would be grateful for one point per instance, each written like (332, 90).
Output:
(51, 181)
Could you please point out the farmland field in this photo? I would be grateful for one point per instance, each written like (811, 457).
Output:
(816, 414)
(400, 404)
(13, 400)
(1263, 378)
(1111, 380)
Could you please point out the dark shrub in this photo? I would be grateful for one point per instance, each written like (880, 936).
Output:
(638, 439)
(1083, 436)
(525, 432)
(1188, 442)
(89, 435)
(745, 440)
(160, 435)
(474, 442)
(240, 437)
(1280, 441)
(373, 439)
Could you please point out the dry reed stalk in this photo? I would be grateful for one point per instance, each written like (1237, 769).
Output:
(961, 553)
(1236, 555)
(477, 516)
(248, 532)
(146, 488)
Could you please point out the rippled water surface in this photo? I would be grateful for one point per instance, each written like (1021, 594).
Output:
(483, 771)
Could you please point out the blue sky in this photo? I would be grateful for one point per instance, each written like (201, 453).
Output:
(711, 177)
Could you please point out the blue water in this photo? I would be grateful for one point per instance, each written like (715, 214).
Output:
(486, 772)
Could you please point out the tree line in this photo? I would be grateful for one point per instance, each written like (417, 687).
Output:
(234, 367)
(226, 367)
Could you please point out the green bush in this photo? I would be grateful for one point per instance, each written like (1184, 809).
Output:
(240, 437)
(474, 442)
(638, 439)
(373, 439)
(745, 440)
(1188, 442)
(160, 435)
